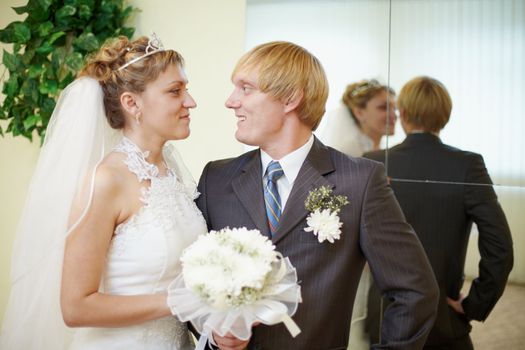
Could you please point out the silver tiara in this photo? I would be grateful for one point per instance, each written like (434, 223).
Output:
(365, 86)
(154, 46)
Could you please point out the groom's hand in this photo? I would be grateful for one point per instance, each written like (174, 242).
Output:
(456, 304)
(229, 342)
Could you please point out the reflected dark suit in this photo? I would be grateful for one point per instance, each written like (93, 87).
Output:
(373, 229)
(442, 216)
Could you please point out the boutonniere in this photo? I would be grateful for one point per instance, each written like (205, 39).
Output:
(324, 209)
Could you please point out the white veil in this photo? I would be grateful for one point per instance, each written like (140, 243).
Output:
(77, 139)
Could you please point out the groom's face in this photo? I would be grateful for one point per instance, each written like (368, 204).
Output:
(259, 115)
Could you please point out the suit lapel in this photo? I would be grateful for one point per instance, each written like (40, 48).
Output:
(311, 176)
(248, 188)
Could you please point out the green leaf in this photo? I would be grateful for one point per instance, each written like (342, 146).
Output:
(84, 12)
(48, 49)
(66, 81)
(87, 41)
(127, 31)
(47, 106)
(45, 28)
(66, 11)
(15, 32)
(48, 87)
(89, 3)
(20, 10)
(55, 36)
(31, 121)
(11, 86)
(50, 72)
(102, 21)
(57, 57)
(10, 61)
(106, 6)
(74, 61)
(45, 48)
(44, 4)
(127, 13)
(6, 107)
(62, 72)
(39, 9)
(35, 70)
(7, 34)
(30, 89)
(22, 33)
(14, 129)
(28, 55)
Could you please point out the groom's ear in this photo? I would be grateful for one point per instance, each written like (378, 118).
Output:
(293, 101)
(130, 103)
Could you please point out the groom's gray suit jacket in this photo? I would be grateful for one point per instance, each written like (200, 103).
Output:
(374, 230)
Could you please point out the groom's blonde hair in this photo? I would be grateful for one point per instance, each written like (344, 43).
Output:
(285, 71)
(425, 103)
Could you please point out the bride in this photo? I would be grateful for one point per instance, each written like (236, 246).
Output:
(109, 210)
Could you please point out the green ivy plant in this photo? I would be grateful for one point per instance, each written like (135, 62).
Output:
(49, 47)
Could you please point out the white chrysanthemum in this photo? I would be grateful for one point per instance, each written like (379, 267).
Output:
(228, 267)
(325, 225)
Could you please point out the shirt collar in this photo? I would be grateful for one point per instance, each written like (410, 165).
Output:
(292, 162)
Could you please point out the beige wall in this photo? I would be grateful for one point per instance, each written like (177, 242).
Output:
(210, 36)
(18, 157)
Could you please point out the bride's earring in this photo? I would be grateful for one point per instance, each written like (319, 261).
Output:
(137, 117)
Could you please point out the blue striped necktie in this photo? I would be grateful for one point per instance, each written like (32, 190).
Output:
(271, 195)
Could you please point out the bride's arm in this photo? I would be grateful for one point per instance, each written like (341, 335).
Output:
(84, 262)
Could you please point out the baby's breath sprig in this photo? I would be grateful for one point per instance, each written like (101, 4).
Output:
(321, 198)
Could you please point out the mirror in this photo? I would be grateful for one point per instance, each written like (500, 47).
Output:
(476, 48)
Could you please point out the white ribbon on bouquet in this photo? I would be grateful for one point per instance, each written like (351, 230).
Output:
(277, 304)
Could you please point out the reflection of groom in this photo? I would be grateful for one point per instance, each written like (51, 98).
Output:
(279, 98)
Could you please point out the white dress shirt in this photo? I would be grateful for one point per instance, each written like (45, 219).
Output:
(291, 164)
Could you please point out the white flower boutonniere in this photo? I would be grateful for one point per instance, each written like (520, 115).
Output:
(324, 209)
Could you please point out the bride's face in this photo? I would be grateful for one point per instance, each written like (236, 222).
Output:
(165, 105)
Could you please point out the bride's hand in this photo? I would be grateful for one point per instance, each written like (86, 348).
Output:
(229, 342)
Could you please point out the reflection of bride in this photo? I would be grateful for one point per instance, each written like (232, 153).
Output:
(367, 112)
(108, 212)
(356, 126)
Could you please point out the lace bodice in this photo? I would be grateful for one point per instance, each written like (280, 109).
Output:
(144, 253)
(136, 160)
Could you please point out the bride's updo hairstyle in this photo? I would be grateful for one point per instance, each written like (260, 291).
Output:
(358, 94)
(116, 53)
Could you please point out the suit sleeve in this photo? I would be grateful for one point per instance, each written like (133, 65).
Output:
(494, 243)
(399, 266)
(202, 200)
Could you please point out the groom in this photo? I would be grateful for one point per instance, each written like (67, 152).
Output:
(279, 97)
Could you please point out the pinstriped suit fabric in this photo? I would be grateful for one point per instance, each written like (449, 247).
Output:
(374, 230)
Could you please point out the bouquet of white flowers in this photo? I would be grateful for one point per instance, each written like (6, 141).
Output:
(231, 279)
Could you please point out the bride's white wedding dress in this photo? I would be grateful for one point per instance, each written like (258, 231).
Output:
(143, 257)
